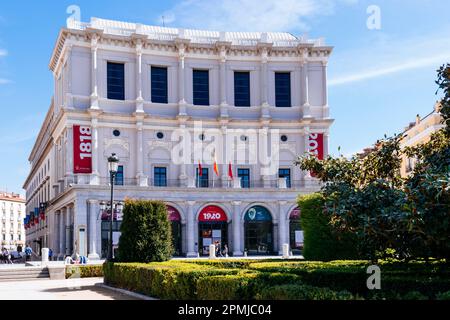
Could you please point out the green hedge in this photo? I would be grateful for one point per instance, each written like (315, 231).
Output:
(84, 271)
(320, 242)
(250, 279)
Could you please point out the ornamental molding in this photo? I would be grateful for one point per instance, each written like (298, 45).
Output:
(155, 144)
(118, 142)
(290, 145)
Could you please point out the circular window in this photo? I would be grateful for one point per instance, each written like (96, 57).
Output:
(116, 133)
(244, 138)
(202, 136)
(160, 135)
(284, 138)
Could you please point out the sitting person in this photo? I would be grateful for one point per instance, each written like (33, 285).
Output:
(68, 260)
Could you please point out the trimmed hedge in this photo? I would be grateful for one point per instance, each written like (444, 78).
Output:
(320, 242)
(146, 233)
(84, 271)
(250, 279)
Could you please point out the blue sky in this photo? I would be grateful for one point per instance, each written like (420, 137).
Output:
(379, 79)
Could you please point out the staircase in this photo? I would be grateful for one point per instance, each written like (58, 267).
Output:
(23, 273)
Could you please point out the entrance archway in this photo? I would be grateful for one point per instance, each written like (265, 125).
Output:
(258, 231)
(295, 232)
(212, 229)
(175, 219)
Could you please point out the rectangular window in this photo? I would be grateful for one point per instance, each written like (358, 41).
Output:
(200, 84)
(203, 180)
(285, 173)
(244, 174)
(116, 81)
(283, 89)
(159, 84)
(242, 89)
(119, 176)
(160, 176)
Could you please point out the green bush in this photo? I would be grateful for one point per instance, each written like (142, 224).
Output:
(443, 296)
(226, 287)
(84, 271)
(320, 242)
(302, 292)
(146, 233)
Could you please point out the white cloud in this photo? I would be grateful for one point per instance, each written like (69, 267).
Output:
(250, 15)
(5, 81)
(3, 53)
(389, 56)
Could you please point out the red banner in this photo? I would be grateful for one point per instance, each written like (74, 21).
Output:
(173, 214)
(212, 214)
(316, 144)
(82, 149)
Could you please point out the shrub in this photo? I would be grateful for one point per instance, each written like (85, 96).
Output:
(443, 296)
(302, 292)
(84, 271)
(320, 242)
(145, 232)
(226, 287)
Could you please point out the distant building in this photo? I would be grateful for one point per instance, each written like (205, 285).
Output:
(12, 213)
(419, 132)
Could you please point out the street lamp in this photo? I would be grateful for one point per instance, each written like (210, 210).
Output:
(113, 164)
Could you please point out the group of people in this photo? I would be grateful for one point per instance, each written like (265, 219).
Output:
(221, 253)
(7, 257)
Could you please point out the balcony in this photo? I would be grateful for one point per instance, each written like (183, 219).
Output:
(191, 183)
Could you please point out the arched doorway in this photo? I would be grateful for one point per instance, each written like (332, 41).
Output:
(212, 229)
(258, 231)
(175, 219)
(295, 232)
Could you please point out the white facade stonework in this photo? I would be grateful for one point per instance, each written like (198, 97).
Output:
(12, 213)
(79, 65)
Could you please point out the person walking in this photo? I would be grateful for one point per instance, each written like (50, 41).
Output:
(7, 256)
(28, 253)
(50, 254)
(225, 251)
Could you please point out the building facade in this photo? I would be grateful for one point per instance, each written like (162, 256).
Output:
(209, 122)
(12, 212)
(419, 132)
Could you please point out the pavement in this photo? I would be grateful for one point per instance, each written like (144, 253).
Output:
(69, 289)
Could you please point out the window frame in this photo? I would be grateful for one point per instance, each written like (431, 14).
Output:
(114, 95)
(198, 100)
(164, 97)
(242, 102)
(283, 100)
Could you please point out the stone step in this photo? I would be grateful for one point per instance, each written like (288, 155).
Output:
(24, 274)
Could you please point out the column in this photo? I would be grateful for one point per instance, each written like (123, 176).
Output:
(62, 233)
(68, 103)
(264, 78)
(281, 227)
(223, 82)
(68, 238)
(141, 177)
(305, 90)
(94, 132)
(190, 230)
(94, 211)
(325, 90)
(94, 71)
(306, 174)
(237, 248)
(139, 98)
(225, 158)
(181, 78)
(69, 151)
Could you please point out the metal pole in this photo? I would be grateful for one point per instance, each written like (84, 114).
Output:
(110, 250)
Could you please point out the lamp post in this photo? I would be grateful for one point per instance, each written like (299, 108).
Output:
(113, 164)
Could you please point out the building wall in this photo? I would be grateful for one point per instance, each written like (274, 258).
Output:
(79, 65)
(12, 213)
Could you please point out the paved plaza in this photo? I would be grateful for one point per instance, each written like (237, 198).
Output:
(76, 289)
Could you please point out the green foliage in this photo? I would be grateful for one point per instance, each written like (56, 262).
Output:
(321, 242)
(302, 292)
(334, 280)
(84, 271)
(146, 232)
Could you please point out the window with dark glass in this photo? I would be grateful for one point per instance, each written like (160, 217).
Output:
(119, 176)
(282, 89)
(200, 84)
(160, 176)
(159, 84)
(203, 180)
(285, 173)
(116, 81)
(244, 174)
(242, 89)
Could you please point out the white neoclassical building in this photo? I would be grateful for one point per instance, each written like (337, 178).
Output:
(170, 103)
(12, 213)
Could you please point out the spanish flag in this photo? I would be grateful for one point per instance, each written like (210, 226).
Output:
(216, 167)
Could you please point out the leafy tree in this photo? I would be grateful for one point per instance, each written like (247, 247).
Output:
(145, 232)
(366, 196)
